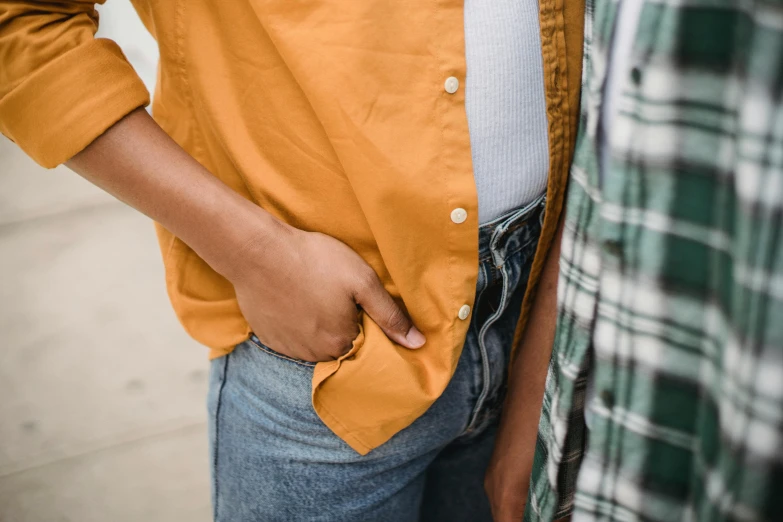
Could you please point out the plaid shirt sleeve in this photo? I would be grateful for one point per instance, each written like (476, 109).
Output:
(671, 278)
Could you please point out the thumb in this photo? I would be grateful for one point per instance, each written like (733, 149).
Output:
(395, 323)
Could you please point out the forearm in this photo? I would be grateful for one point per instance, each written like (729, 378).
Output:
(137, 162)
(528, 374)
(515, 444)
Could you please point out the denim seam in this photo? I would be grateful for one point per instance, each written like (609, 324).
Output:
(517, 250)
(488, 256)
(524, 210)
(486, 374)
(269, 351)
(482, 269)
(223, 380)
(516, 226)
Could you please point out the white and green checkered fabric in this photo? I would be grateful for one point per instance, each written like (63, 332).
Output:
(671, 289)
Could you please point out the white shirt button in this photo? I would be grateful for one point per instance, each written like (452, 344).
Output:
(459, 215)
(464, 312)
(452, 84)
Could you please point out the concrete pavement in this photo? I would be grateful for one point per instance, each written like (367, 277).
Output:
(102, 414)
(102, 411)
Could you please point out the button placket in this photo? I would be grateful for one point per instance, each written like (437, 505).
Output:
(458, 215)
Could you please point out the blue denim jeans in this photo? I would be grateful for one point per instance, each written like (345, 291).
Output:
(274, 460)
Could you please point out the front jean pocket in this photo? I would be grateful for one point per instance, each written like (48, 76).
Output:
(267, 350)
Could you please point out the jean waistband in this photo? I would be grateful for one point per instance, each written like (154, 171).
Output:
(494, 235)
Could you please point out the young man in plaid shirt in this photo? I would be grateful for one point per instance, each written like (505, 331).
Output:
(664, 398)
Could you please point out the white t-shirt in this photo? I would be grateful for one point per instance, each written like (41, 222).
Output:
(505, 105)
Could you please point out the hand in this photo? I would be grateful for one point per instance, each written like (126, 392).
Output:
(506, 485)
(299, 292)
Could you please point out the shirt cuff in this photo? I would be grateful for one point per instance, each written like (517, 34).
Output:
(63, 106)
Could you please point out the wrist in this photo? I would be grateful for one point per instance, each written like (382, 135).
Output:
(243, 237)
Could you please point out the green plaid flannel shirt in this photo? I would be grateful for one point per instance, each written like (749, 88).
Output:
(671, 278)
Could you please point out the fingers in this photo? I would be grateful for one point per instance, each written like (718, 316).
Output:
(379, 305)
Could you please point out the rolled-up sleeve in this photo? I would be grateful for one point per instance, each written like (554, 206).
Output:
(60, 87)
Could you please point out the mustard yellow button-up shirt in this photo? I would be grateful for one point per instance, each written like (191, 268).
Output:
(343, 117)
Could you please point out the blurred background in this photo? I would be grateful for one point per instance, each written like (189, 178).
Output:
(102, 395)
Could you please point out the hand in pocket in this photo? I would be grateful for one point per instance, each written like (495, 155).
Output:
(299, 292)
